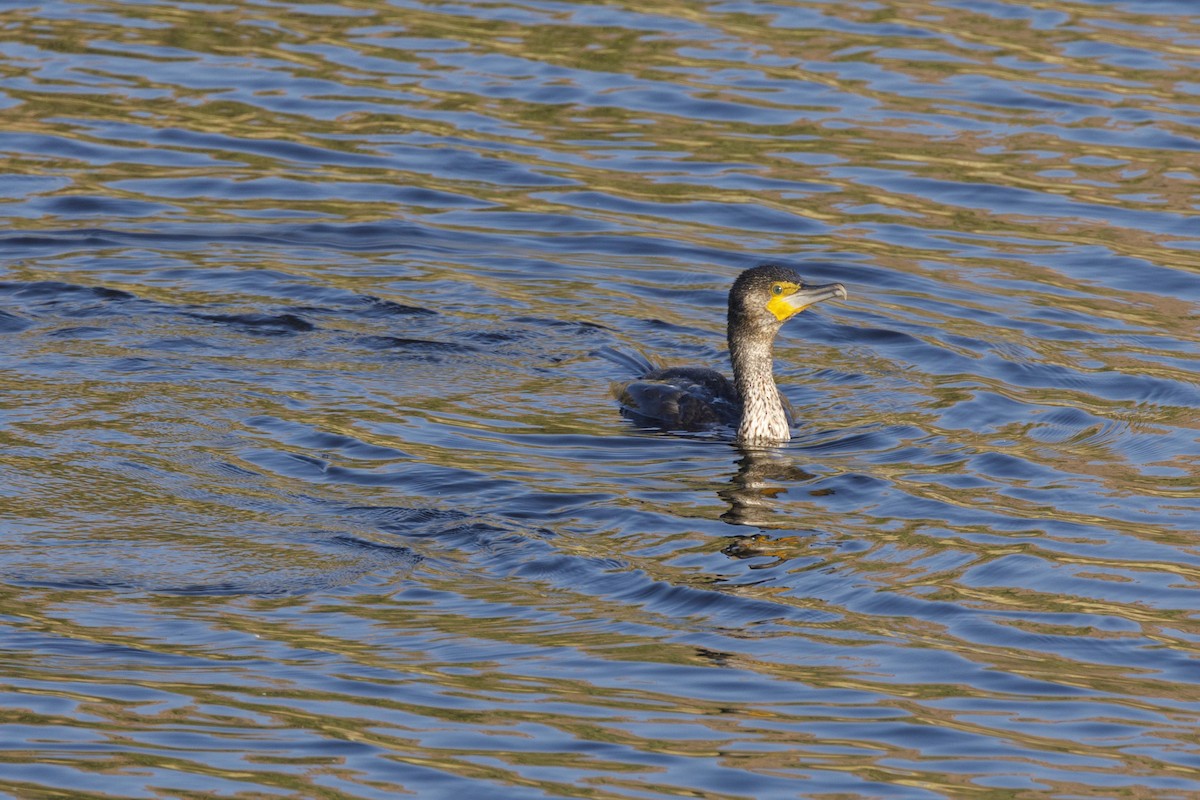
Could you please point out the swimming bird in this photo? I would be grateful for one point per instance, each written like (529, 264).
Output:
(692, 398)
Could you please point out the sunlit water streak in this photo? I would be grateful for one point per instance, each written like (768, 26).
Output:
(314, 485)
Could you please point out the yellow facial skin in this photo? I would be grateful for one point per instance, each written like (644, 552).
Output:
(783, 303)
(789, 299)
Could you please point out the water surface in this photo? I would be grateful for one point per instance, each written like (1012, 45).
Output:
(312, 480)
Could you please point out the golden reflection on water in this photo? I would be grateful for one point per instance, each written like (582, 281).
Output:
(218, 502)
(969, 44)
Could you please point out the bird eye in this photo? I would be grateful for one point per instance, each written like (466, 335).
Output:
(777, 289)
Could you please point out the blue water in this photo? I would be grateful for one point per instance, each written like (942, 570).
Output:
(312, 480)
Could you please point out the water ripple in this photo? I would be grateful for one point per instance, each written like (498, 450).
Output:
(313, 477)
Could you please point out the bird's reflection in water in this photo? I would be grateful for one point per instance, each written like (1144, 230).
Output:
(764, 474)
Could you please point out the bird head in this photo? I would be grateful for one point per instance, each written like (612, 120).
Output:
(765, 297)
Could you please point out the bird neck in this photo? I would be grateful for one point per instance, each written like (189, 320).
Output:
(763, 419)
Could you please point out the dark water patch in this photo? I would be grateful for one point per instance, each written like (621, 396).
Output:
(437, 523)
(497, 337)
(581, 327)
(422, 518)
(260, 324)
(897, 338)
(409, 347)
(51, 292)
(107, 207)
(379, 307)
(134, 365)
(878, 438)
(11, 323)
(1002, 466)
(402, 518)
(400, 553)
(294, 465)
(307, 436)
(189, 345)
(284, 190)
